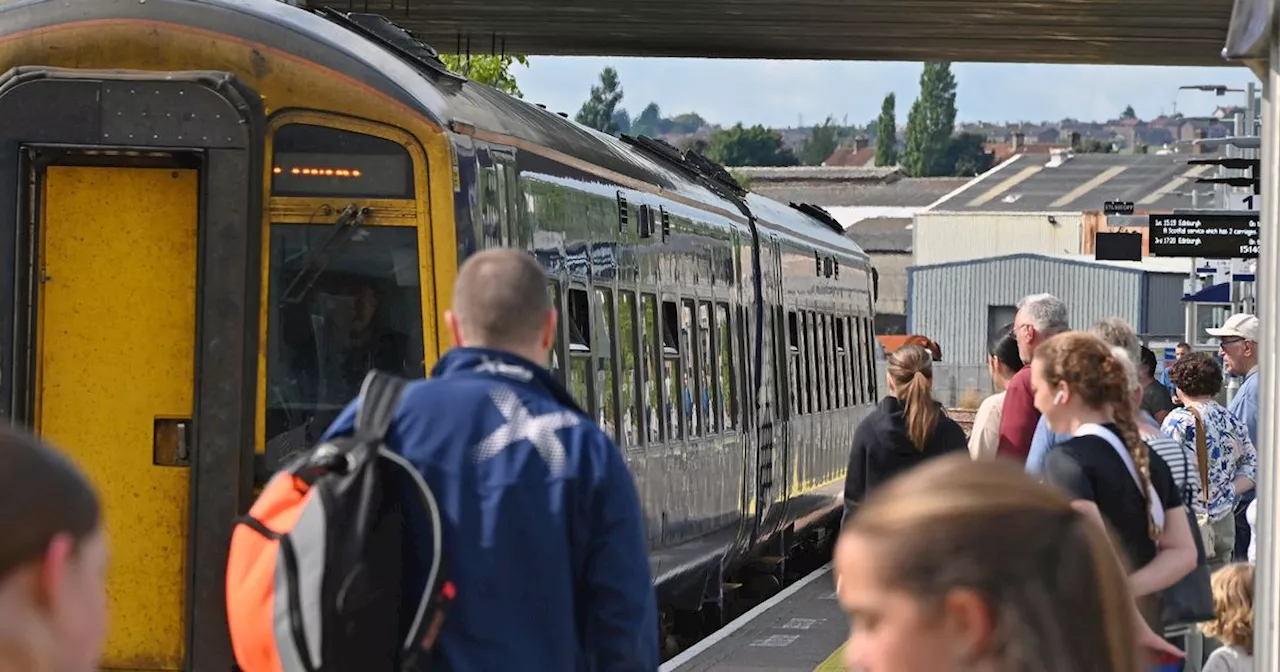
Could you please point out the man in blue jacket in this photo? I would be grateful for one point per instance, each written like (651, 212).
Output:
(543, 531)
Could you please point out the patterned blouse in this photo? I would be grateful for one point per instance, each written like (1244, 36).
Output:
(1231, 453)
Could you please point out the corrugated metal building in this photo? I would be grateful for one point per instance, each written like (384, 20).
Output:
(1030, 204)
(960, 304)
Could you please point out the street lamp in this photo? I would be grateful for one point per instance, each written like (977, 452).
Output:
(1218, 89)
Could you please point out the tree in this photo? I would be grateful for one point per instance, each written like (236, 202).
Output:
(1092, 146)
(887, 132)
(755, 146)
(1128, 113)
(967, 155)
(622, 119)
(821, 144)
(648, 123)
(493, 71)
(930, 123)
(597, 112)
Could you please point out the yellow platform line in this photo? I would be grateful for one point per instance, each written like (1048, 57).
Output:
(833, 663)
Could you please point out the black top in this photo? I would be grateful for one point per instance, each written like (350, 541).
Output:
(1155, 398)
(882, 449)
(1087, 467)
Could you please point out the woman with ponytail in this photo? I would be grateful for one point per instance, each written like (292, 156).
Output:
(1083, 388)
(907, 428)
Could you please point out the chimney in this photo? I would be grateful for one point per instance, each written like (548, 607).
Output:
(1197, 148)
(1075, 139)
(861, 142)
(1017, 140)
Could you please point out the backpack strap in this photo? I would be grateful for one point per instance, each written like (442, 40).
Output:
(379, 399)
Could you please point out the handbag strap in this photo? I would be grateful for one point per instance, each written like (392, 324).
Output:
(1156, 506)
(1202, 454)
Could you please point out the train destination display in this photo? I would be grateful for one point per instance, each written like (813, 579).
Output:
(1205, 235)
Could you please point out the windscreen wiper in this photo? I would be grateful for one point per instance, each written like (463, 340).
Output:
(344, 229)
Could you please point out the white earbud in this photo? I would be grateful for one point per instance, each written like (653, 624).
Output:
(1057, 398)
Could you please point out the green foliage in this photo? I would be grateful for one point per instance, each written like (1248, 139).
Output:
(653, 124)
(754, 146)
(1128, 113)
(1092, 146)
(597, 112)
(622, 120)
(967, 156)
(819, 147)
(494, 71)
(931, 122)
(887, 133)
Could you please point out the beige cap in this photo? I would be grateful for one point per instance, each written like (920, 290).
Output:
(1242, 325)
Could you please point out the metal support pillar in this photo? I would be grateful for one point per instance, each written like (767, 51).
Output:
(1267, 580)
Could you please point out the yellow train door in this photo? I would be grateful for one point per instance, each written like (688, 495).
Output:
(116, 315)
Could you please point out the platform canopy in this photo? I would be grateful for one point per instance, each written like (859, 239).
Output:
(1135, 32)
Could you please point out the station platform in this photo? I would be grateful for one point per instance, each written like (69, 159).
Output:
(801, 629)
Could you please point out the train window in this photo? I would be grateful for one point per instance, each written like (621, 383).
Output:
(726, 399)
(833, 368)
(630, 383)
(672, 382)
(823, 388)
(556, 363)
(856, 362)
(781, 363)
(490, 207)
(842, 361)
(329, 324)
(602, 364)
(746, 398)
(691, 399)
(793, 349)
(869, 364)
(651, 353)
(706, 389)
(319, 161)
(580, 348)
(806, 353)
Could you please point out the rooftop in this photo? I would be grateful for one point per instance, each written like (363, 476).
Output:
(842, 186)
(1083, 182)
(1164, 265)
(882, 234)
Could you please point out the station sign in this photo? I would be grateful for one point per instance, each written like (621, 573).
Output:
(1117, 208)
(1218, 235)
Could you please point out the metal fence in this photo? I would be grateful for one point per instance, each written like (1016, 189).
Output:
(955, 385)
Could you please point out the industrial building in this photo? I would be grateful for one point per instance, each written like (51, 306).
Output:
(876, 206)
(1052, 204)
(961, 304)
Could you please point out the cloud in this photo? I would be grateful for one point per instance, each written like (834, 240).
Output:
(783, 93)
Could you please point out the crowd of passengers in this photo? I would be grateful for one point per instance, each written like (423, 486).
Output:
(956, 553)
(1150, 460)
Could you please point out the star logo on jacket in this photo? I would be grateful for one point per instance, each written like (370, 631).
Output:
(521, 425)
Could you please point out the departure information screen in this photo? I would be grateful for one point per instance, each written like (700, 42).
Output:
(370, 175)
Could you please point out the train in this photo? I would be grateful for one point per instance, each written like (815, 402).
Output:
(224, 212)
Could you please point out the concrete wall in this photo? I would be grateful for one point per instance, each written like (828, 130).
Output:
(942, 237)
(893, 281)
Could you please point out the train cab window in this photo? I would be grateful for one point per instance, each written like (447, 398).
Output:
(602, 364)
(650, 355)
(332, 318)
(726, 395)
(672, 382)
(691, 400)
(312, 160)
(580, 348)
(630, 382)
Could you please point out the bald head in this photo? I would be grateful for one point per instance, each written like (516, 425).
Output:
(500, 301)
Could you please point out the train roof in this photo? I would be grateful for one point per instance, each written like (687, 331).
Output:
(374, 50)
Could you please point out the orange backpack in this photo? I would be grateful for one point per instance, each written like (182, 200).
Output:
(316, 578)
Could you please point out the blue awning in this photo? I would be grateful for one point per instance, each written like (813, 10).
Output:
(1220, 293)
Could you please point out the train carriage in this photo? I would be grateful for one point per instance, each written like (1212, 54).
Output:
(223, 212)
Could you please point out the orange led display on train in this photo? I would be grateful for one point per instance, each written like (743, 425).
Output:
(320, 172)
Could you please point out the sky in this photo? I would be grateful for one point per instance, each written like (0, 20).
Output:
(791, 93)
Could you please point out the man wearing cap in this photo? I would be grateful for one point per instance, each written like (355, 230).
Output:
(1238, 343)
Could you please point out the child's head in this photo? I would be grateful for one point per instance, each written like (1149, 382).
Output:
(1233, 604)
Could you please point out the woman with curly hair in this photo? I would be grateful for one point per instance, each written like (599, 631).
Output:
(1082, 387)
(1233, 605)
(1220, 448)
